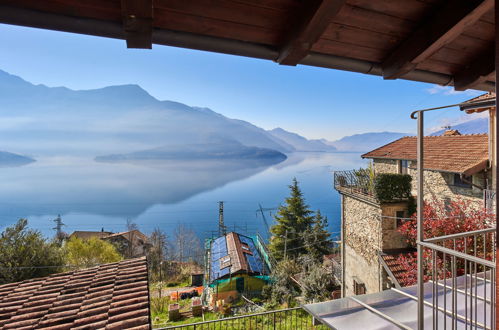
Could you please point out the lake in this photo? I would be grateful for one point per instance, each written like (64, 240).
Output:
(90, 195)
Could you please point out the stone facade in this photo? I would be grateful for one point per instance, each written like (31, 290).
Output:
(368, 229)
(441, 186)
(385, 166)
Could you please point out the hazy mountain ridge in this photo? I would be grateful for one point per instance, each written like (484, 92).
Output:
(11, 159)
(300, 143)
(365, 141)
(112, 119)
(474, 126)
(230, 150)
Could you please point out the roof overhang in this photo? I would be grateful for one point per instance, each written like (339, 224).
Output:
(422, 41)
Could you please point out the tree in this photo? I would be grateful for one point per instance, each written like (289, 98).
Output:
(84, 253)
(293, 219)
(317, 238)
(187, 245)
(283, 289)
(316, 282)
(444, 219)
(157, 253)
(25, 253)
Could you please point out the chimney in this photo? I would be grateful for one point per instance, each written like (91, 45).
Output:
(451, 132)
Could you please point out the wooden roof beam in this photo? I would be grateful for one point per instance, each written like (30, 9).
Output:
(443, 27)
(137, 23)
(312, 25)
(477, 71)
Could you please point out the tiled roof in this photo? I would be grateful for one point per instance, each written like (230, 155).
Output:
(397, 270)
(110, 296)
(89, 234)
(128, 235)
(466, 154)
(480, 103)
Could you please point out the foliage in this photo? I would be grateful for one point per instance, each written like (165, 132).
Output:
(296, 222)
(365, 178)
(317, 238)
(157, 253)
(25, 253)
(316, 282)
(389, 187)
(439, 220)
(90, 252)
(283, 288)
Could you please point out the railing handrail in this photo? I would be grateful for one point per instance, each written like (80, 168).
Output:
(231, 318)
(459, 235)
(458, 254)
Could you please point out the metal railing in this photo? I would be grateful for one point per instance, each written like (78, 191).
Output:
(459, 271)
(354, 182)
(291, 318)
(489, 199)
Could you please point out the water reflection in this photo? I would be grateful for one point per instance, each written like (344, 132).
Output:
(90, 195)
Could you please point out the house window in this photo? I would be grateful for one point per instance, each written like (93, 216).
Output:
(463, 181)
(400, 215)
(403, 167)
(358, 287)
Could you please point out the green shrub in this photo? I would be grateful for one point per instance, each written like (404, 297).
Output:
(391, 187)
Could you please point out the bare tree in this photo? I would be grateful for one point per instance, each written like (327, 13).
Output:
(157, 252)
(187, 245)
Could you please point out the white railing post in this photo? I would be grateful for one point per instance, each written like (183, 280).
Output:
(420, 218)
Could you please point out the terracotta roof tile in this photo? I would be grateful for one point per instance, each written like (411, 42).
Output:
(113, 296)
(397, 270)
(466, 154)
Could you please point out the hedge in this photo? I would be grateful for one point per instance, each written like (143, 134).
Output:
(391, 187)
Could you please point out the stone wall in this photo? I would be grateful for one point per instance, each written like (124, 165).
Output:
(440, 186)
(356, 267)
(362, 241)
(391, 238)
(385, 166)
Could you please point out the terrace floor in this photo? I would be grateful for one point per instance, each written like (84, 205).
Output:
(397, 308)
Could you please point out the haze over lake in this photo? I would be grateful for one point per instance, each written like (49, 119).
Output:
(91, 195)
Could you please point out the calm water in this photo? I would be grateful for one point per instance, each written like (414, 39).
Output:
(91, 195)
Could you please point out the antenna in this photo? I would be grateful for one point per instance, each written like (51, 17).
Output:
(222, 230)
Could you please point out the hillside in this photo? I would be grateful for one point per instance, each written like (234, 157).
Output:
(299, 143)
(365, 141)
(10, 159)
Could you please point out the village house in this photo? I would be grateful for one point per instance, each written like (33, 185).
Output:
(235, 265)
(456, 167)
(130, 244)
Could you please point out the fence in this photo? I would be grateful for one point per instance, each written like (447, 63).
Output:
(289, 319)
(354, 182)
(460, 274)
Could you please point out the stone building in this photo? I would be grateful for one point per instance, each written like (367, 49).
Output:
(456, 167)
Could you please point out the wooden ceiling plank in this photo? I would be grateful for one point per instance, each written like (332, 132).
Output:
(138, 23)
(309, 30)
(477, 71)
(442, 28)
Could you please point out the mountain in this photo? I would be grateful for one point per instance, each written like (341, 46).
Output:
(36, 119)
(365, 141)
(213, 150)
(475, 126)
(10, 159)
(299, 143)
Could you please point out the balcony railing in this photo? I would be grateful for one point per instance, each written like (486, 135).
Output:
(459, 271)
(489, 199)
(354, 182)
(291, 318)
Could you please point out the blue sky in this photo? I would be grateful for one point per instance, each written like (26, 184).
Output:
(314, 102)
